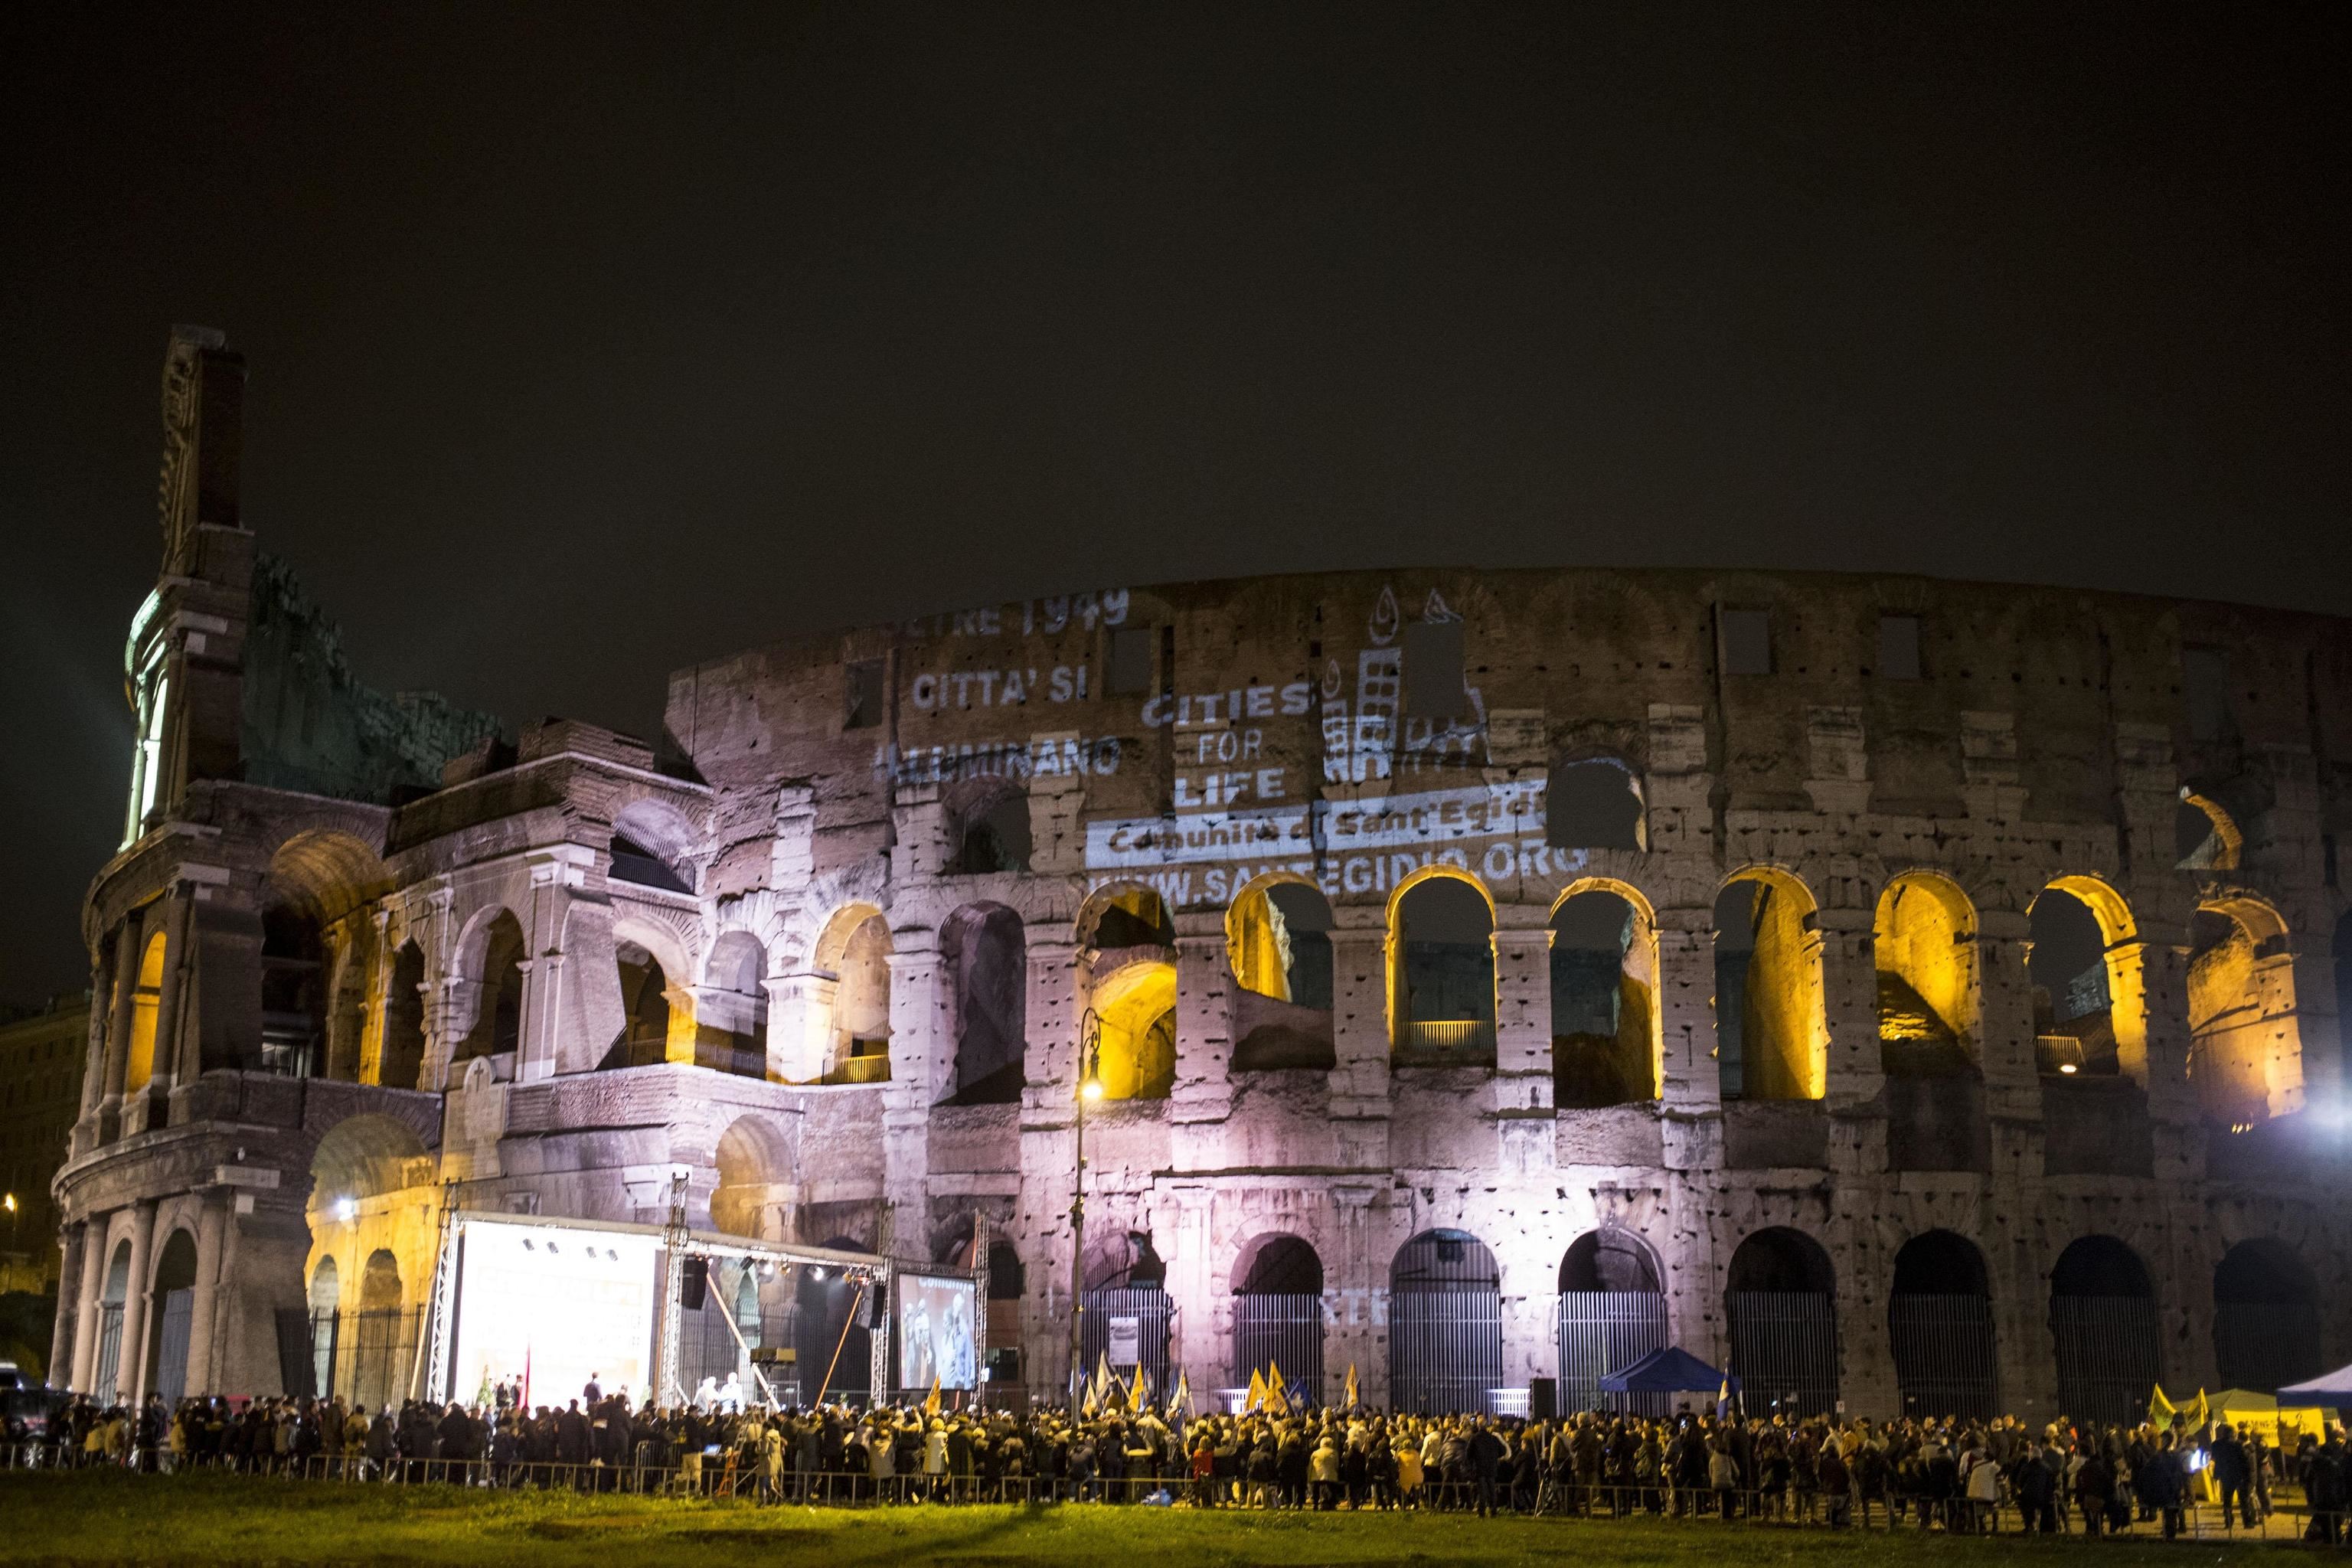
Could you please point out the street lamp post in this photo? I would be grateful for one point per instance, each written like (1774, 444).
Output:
(1089, 1087)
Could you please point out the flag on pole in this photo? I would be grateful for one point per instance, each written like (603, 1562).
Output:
(931, 1404)
(1256, 1393)
(1351, 1385)
(1182, 1400)
(1106, 1384)
(1138, 1397)
(1277, 1393)
(525, 1400)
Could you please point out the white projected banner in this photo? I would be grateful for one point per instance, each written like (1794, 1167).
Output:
(558, 1306)
(936, 1331)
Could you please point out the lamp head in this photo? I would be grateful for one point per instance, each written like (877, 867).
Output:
(347, 1209)
(9, 1202)
(1090, 1089)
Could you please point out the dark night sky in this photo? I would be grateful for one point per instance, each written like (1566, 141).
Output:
(586, 343)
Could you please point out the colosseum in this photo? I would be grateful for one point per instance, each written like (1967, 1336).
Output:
(1909, 995)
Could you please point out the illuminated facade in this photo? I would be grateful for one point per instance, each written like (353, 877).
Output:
(1912, 992)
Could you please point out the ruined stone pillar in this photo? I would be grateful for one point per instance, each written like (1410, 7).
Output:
(1523, 1078)
(118, 1024)
(63, 1324)
(2005, 1016)
(1197, 1352)
(2306, 1066)
(170, 999)
(1204, 1043)
(1690, 1082)
(1854, 1075)
(2162, 972)
(93, 1285)
(922, 1043)
(137, 1302)
(800, 1024)
(1355, 1301)
(448, 1001)
(1866, 1381)
(212, 1223)
(542, 990)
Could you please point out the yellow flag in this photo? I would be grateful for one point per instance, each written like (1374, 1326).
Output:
(931, 1404)
(1256, 1393)
(1140, 1394)
(1277, 1393)
(1351, 1385)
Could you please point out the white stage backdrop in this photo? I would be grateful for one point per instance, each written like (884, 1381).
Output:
(936, 1333)
(558, 1305)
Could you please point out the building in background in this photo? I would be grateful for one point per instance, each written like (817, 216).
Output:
(41, 1056)
(1917, 996)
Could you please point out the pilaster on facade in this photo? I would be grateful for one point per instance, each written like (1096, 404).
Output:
(1204, 1048)
(1360, 1041)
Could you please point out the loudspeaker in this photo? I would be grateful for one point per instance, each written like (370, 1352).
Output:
(1543, 1399)
(878, 1309)
(697, 1278)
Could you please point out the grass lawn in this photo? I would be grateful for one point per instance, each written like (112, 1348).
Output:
(110, 1516)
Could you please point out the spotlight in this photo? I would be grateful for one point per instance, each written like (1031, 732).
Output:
(347, 1209)
(817, 1273)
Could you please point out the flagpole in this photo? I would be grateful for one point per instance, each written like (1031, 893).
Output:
(1089, 1087)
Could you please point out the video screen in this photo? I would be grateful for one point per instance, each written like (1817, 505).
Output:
(554, 1307)
(938, 1337)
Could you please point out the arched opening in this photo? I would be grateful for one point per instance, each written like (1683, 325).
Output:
(1780, 1302)
(2089, 1014)
(855, 953)
(1594, 805)
(2245, 1050)
(382, 1338)
(174, 1296)
(1127, 1306)
(730, 1016)
(492, 966)
(401, 1063)
(325, 1314)
(2103, 1319)
(645, 1007)
(1612, 1313)
(1924, 943)
(991, 831)
(314, 960)
(986, 956)
(2204, 836)
(1940, 1320)
(106, 1379)
(146, 997)
(1445, 1324)
(1136, 1009)
(1278, 1313)
(754, 1164)
(651, 842)
(1278, 945)
(1124, 915)
(1771, 1039)
(2265, 1317)
(1604, 1010)
(1441, 976)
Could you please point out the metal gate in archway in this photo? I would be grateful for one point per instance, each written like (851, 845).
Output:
(1944, 1359)
(1601, 1331)
(1140, 1312)
(2108, 1356)
(1445, 1324)
(1784, 1348)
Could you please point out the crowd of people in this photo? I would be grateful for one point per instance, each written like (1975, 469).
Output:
(1960, 1476)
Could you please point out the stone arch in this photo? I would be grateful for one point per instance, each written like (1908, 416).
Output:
(1442, 968)
(984, 948)
(1607, 1033)
(172, 1292)
(1612, 1313)
(1595, 802)
(852, 954)
(1134, 1012)
(146, 1000)
(359, 1158)
(324, 1309)
(754, 1167)
(1780, 1307)
(2245, 1052)
(1940, 1324)
(109, 1375)
(400, 1056)
(490, 955)
(2090, 996)
(730, 1012)
(1924, 943)
(988, 823)
(2205, 836)
(651, 846)
(2265, 1316)
(1278, 949)
(1446, 1325)
(1771, 1028)
(1118, 916)
(2103, 1324)
(1277, 1305)
(314, 953)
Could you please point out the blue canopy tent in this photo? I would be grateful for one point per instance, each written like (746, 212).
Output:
(2335, 1388)
(1667, 1371)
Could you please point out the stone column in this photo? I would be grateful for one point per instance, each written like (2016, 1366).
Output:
(1523, 1079)
(118, 1024)
(921, 1042)
(93, 1284)
(536, 1039)
(800, 1024)
(2162, 972)
(1203, 1091)
(63, 1338)
(132, 1373)
(2005, 1027)
(1041, 1223)
(1690, 1080)
(1360, 1037)
(1854, 1077)
(211, 1221)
